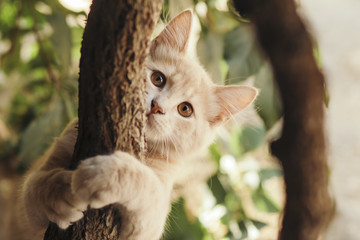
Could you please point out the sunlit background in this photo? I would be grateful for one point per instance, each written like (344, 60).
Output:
(239, 192)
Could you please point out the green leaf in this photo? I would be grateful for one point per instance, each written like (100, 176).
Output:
(77, 33)
(326, 96)
(27, 23)
(242, 54)
(215, 153)
(220, 21)
(246, 139)
(318, 58)
(268, 101)
(244, 224)
(62, 41)
(259, 225)
(252, 137)
(210, 53)
(217, 189)
(8, 13)
(70, 107)
(235, 145)
(40, 133)
(268, 173)
(11, 61)
(243, 229)
(263, 202)
(28, 102)
(174, 6)
(235, 206)
(179, 227)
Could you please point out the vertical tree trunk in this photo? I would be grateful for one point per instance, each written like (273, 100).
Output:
(301, 148)
(111, 97)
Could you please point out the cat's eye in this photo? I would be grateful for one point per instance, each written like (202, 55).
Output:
(158, 79)
(185, 109)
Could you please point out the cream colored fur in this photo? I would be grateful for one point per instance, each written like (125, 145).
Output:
(52, 193)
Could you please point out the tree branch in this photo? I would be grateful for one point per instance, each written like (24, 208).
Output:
(301, 148)
(111, 97)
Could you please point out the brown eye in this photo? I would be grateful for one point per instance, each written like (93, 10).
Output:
(158, 79)
(185, 109)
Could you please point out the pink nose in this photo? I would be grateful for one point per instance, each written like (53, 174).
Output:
(155, 108)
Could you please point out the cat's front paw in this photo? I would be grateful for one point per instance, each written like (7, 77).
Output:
(100, 180)
(63, 207)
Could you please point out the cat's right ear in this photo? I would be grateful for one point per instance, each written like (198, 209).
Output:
(176, 33)
(230, 100)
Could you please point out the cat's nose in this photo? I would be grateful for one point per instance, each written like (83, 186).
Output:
(155, 108)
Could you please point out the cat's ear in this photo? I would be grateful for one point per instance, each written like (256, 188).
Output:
(230, 100)
(176, 33)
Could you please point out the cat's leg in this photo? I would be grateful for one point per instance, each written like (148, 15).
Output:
(121, 178)
(47, 197)
(46, 193)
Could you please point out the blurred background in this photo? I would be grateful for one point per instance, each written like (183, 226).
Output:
(238, 194)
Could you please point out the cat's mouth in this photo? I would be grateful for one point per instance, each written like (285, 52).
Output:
(151, 114)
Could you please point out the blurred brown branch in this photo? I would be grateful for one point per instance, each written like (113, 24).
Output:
(301, 148)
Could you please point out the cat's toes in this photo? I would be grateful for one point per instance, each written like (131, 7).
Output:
(62, 206)
(94, 181)
(65, 222)
(62, 224)
(65, 214)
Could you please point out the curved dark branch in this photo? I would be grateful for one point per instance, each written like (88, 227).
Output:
(301, 148)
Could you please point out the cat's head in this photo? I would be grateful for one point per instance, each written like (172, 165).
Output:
(184, 106)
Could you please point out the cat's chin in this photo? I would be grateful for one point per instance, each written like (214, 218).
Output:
(157, 149)
(160, 145)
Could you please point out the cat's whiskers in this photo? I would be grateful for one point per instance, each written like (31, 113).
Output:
(163, 146)
(174, 143)
(177, 142)
(167, 151)
(160, 124)
(154, 147)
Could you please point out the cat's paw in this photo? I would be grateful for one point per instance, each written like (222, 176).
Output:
(100, 180)
(63, 207)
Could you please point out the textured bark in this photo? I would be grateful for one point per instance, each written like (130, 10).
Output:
(301, 148)
(111, 97)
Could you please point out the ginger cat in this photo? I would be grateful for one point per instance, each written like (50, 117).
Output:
(184, 108)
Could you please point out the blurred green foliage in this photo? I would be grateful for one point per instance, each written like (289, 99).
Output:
(40, 44)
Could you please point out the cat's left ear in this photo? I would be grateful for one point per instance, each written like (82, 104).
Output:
(230, 100)
(176, 33)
